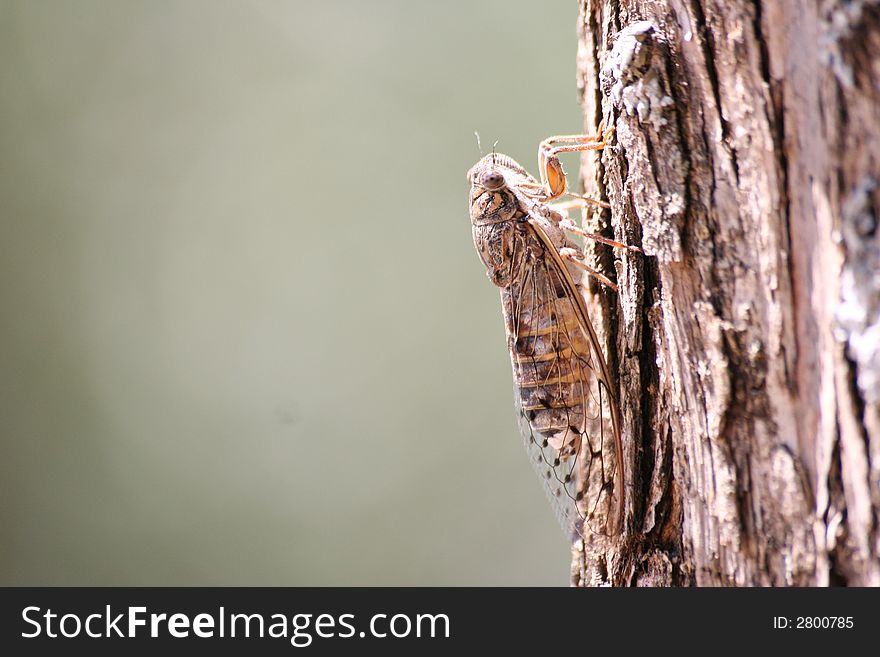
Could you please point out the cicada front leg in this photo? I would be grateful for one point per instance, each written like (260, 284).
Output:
(552, 174)
(553, 180)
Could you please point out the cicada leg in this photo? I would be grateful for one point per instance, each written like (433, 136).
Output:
(570, 226)
(553, 180)
(553, 177)
(578, 202)
(573, 255)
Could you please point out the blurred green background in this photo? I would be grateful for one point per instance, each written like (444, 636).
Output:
(245, 335)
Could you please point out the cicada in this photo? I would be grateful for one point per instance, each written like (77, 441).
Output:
(563, 389)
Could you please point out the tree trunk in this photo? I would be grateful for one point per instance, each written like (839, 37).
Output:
(747, 338)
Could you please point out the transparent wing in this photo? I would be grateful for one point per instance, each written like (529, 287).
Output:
(567, 414)
(558, 482)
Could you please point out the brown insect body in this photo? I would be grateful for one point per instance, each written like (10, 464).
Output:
(562, 386)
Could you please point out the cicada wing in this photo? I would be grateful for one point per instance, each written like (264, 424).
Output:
(559, 482)
(567, 412)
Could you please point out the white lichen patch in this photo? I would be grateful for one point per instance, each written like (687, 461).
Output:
(674, 205)
(633, 86)
(858, 314)
(837, 27)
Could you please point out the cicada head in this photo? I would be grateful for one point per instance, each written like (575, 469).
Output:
(492, 181)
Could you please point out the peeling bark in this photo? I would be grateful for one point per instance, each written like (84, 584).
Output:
(745, 164)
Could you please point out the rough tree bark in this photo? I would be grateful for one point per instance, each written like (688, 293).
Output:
(745, 163)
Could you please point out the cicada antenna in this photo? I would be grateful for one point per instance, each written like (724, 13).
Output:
(479, 146)
(493, 151)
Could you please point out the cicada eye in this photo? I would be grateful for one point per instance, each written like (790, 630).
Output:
(492, 180)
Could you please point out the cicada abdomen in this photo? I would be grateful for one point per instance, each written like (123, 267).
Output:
(568, 413)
